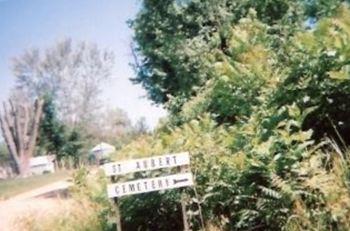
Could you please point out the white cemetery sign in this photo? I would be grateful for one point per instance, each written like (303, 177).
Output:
(150, 185)
(147, 164)
(119, 189)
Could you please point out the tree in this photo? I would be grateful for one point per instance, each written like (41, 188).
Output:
(73, 147)
(243, 51)
(72, 73)
(19, 126)
(141, 126)
(4, 155)
(248, 126)
(52, 132)
(176, 40)
(112, 125)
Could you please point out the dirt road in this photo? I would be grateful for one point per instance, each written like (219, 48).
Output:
(41, 201)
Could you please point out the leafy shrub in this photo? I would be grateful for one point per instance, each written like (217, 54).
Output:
(269, 184)
(255, 130)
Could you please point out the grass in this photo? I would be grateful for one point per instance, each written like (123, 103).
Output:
(87, 209)
(12, 187)
(71, 215)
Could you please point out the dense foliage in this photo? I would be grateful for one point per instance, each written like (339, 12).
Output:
(218, 56)
(172, 37)
(57, 139)
(258, 93)
(52, 131)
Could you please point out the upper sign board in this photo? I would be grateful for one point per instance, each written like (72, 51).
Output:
(146, 164)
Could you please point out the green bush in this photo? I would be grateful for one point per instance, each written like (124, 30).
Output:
(264, 119)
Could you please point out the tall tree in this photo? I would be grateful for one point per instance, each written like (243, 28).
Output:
(111, 125)
(73, 147)
(19, 125)
(72, 73)
(176, 40)
(52, 133)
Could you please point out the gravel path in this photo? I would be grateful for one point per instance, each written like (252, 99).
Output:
(38, 202)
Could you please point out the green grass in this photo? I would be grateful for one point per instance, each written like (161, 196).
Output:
(12, 187)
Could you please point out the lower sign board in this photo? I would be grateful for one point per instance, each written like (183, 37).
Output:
(149, 185)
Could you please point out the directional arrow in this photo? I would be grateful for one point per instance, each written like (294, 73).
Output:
(180, 180)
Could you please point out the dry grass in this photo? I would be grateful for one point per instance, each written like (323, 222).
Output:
(71, 215)
(12, 187)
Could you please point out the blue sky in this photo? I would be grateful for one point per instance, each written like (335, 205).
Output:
(27, 24)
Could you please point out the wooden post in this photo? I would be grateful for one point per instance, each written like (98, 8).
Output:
(184, 214)
(199, 208)
(117, 210)
(117, 214)
(174, 181)
(183, 169)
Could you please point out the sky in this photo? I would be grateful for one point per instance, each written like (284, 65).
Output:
(26, 24)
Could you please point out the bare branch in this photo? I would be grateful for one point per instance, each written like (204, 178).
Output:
(15, 125)
(9, 139)
(35, 127)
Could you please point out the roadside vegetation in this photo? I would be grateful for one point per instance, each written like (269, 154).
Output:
(12, 187)
(259, 93)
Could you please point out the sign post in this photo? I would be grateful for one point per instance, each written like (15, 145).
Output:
(116, 209)
(183, 204)
(118, 189)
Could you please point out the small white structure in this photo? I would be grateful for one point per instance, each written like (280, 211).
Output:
(102, 150)
(42, 164)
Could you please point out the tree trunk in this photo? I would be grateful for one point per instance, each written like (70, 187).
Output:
(20, 126)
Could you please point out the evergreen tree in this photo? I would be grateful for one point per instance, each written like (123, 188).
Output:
(52, 131)
(55, 137)
(73, 147)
